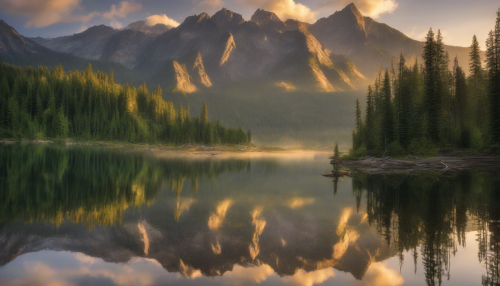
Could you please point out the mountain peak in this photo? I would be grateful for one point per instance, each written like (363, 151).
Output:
(261, 16)
(99, 29)
(353, 9)
(227, 19)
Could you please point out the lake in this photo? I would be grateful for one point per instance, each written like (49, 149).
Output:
(117, 216)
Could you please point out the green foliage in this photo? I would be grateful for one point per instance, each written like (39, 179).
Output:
(422, 147)
(421, 110)
(493, 67)
(359, 153)
(395, 149)
(38, 103)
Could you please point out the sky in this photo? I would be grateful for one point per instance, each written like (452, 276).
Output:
(458, 20)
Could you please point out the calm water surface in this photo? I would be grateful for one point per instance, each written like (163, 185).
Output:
(101, 216)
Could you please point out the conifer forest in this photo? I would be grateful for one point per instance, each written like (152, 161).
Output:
(418, 108)
(38, 103)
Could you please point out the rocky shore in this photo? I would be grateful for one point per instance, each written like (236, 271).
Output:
(442, 164)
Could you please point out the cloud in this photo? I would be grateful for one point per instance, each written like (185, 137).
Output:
(285, 9)
(43, 13)
(210, 4)
(378, 274)
(370, 8)
(161, 19)
(303, 278)
(122, 12)
(115, 24)
(247, 275)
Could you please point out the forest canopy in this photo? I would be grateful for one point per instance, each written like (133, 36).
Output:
(37, 103)
(419, 108)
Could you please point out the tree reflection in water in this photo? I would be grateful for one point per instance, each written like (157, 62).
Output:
(90, 185)
(434, 212)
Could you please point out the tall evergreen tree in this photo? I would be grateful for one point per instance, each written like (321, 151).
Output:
(432, 96)
(461, 100)
(370, 120)
(493, 65)
(476, 77)
(387, 112)
(204, 114)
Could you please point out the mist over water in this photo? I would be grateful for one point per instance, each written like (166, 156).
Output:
(118, 216)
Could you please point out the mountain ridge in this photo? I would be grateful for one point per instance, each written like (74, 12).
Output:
(234, 50)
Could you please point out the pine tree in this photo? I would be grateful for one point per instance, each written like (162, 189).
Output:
(204, 114)
(336, 153)
(370, 120)
(432, 96)
(493, 65)
(13, 114)
(358, 115)
(387, 135)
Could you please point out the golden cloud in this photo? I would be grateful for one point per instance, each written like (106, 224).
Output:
(285, 9)
(161, 19)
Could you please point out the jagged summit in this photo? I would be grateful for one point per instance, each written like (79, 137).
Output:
(227, 19)
(261, 17)
(142, 26)
(352, 8)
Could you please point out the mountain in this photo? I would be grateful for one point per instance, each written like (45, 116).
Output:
(231, 49)
(368, 43)
(19, 50)
(102, 43)
(288, 81)
(142, 26)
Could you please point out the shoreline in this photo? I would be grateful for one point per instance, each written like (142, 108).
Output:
(441, 164)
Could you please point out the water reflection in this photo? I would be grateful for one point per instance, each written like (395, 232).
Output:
(93, 186)
(121, 217)
(434, 213)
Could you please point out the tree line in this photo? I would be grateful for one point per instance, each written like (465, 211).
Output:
(38, 103)
(424, 106)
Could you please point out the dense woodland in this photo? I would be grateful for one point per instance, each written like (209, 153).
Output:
(38, 103)
(419, 108)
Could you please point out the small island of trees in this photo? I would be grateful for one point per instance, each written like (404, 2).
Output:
(38, 103)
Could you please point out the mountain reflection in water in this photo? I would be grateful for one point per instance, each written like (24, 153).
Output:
(110, 216)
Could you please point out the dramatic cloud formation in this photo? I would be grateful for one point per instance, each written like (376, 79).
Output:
(43, 13)
(161, 19)
(285, 9)
(370, 8)
(210, 4)
(122, 12)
